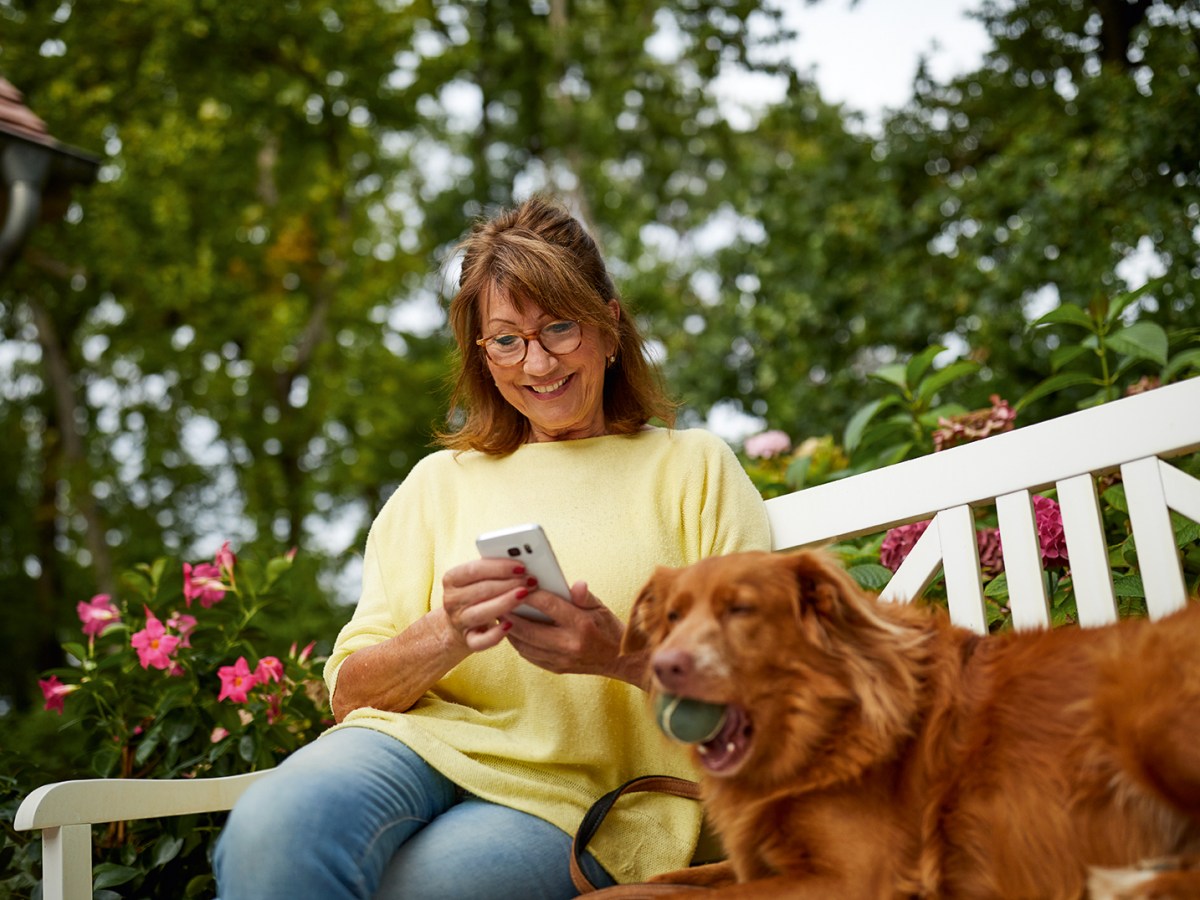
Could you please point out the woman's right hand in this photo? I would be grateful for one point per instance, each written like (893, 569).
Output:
(477, 598)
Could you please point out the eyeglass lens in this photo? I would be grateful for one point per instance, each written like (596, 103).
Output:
(557, 337)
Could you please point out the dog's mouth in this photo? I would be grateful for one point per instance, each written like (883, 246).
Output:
(723, 754)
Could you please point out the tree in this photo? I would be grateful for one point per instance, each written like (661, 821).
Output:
(246, 307)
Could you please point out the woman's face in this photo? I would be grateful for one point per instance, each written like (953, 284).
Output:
(562, 396)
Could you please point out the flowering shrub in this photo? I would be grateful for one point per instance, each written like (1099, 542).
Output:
(899, 541)
(169, 680)
(913, 420)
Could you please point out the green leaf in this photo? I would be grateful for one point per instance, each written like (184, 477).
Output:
(1181, 361)
(76, 650)
(1141, 340)
(246, 747)
(943, 377)
(1067, 314)
(1053, 385)
(1186, 531)
(166, 848)
(893, 374)
(919, 364)
(858, 422)
(997, 588)
(276, 569)
(1128, 586)
(108, 875)
(1061, 357)
(147, 745)
(871, 576)
(797, 472)
(1115, 497)
(1122, 302)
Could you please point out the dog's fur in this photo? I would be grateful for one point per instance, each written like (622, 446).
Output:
(874, 750)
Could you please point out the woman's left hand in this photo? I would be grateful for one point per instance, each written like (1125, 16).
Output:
(584, 639)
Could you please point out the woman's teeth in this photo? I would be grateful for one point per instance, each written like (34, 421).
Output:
(548, 388)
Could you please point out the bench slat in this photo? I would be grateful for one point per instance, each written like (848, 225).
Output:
(1090, 576)
(960, 560)
(1162, 574)
(1022, 561)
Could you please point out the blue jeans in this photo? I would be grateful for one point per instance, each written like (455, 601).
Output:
(358, 814)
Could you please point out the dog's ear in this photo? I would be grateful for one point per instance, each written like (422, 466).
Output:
(824, 586)
(642, 615)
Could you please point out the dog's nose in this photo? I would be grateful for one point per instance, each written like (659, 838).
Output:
(672, 667)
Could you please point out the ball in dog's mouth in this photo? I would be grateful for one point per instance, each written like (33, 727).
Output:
(720, 732)
(687, 720)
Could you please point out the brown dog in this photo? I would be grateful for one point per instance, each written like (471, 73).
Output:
(874, 750)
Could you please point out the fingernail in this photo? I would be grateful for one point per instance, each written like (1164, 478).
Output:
(506, 626)
(521, 592)
(530, 581)
(519, 570)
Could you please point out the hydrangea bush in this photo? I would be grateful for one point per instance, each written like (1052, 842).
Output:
(171, 679)
(912, 419)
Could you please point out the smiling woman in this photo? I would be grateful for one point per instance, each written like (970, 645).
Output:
(463, 759)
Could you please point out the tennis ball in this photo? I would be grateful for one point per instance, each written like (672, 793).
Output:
(687, 720)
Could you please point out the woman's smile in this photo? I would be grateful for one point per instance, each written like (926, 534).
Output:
(551, 388)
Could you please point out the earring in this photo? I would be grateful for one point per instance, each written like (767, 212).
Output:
(609, 362)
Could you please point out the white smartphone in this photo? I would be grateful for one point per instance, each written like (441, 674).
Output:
(528, 545)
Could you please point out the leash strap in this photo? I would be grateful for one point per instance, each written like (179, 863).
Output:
(594, 817)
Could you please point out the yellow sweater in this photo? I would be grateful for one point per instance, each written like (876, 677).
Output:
(613, 507)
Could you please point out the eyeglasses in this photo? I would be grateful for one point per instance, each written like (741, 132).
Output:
(510, 349)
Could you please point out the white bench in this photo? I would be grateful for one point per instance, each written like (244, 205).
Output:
(1134, 435)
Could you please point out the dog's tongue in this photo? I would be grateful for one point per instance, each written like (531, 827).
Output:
(724, 752)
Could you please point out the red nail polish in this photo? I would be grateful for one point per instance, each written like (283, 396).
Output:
(519, 570)
(505, 626)
(530, 581)
(521, 592)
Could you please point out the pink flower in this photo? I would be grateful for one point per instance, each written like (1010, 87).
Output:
(269, 669)
(184, 625)
(1051, 537)
(991, 551)
(218, 734)
(202, 582)
(225, 560)
(97, 614)
(974, 426)
(154, 646)
(291, 554)
(898, 543)
(767, 444)
(236, 681)
(304, 654)
(55, 692)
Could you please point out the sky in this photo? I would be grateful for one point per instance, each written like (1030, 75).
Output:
(866, 55)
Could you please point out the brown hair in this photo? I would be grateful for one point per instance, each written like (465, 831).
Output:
(539, 254)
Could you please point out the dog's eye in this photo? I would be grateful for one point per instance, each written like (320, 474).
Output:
(673, 615)
(742, 609)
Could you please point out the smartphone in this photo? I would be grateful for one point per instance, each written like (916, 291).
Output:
(528, 545)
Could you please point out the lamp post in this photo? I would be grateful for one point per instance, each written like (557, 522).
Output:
(36, 172)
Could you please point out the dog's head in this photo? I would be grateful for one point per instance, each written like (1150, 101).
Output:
(788, 643)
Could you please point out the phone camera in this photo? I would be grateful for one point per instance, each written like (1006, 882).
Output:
(514, 551)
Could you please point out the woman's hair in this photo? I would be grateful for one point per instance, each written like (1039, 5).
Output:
(537, 253)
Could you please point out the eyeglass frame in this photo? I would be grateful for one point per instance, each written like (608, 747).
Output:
(526, 337)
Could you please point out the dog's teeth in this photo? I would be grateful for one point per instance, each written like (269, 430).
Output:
(701, 749)
(729, 748)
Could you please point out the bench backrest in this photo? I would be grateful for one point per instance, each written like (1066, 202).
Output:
(1133, 435)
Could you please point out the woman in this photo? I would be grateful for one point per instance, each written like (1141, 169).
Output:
(470, 740)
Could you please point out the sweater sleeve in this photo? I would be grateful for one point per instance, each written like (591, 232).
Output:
(397, 578)
(734, 517)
